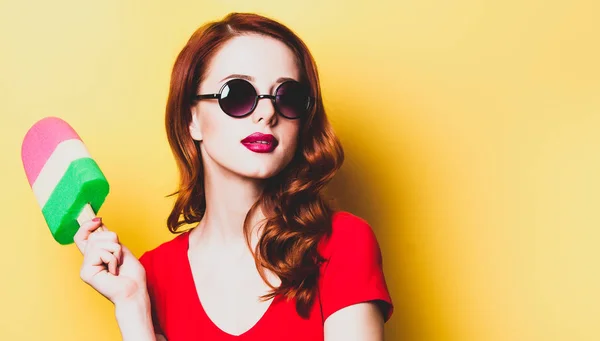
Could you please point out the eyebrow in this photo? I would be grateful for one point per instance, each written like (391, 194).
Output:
(252, 79)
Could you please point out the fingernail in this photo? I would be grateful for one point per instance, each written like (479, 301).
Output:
(97, 219)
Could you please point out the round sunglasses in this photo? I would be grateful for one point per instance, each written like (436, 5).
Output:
(238, 98)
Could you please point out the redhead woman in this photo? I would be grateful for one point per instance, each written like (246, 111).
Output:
(265, 256)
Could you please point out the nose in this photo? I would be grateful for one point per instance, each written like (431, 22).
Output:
(265, 110)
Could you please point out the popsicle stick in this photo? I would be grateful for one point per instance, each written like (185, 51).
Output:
(87, 214)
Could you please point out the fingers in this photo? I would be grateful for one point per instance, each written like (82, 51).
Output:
(105, 240)
(84, 232)
(112, 247)
(106, 257)
(103, 235)
(102, 252)
(100, 247)
(95, 261)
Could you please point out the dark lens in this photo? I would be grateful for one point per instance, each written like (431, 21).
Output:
(292, 99)
(237, 97)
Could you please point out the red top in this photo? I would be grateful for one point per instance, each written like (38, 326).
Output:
(352, 274)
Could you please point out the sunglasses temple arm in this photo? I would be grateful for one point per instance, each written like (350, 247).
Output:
(208, 96)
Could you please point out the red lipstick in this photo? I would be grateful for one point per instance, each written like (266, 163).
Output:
(260, 143)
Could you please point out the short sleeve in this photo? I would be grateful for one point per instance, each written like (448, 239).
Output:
(146, 260)
(353, 272)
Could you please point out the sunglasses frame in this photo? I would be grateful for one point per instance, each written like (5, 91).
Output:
(257, 97)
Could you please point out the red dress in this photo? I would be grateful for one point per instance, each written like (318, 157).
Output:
(352, 274)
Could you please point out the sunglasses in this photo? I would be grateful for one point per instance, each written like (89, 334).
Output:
(238, 98)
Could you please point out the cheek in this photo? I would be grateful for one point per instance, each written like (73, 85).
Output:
(214, 127)
(292, 132)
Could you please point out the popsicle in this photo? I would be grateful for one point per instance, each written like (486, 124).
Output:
(67, 183)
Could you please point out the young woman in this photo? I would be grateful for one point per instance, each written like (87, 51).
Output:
(266, 258)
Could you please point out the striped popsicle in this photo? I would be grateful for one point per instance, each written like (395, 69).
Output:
(67, 183)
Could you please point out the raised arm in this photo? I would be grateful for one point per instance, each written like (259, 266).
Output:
(112, 270)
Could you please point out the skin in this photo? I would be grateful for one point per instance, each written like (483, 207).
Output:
(234, 177)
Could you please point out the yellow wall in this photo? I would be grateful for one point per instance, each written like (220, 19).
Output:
(471, 130)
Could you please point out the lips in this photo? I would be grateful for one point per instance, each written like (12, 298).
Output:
(260, 143)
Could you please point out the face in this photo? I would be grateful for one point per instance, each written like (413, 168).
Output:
(266, 63)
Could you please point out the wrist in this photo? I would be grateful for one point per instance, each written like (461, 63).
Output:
(132, 305)
(134, 319)
(131, 296)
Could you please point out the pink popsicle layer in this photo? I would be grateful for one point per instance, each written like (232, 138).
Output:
(41, 141)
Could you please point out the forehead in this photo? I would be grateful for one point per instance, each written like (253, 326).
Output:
(264, 58)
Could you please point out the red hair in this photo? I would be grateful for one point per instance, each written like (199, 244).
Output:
(297, 215)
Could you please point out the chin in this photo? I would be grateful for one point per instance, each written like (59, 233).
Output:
(257, 167)
(260, 174)
(260, 170)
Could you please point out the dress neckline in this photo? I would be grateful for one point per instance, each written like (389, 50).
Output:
(191, 283)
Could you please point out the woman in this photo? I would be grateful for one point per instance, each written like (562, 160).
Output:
(246, 123)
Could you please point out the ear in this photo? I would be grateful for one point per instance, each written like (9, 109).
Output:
(195, 130)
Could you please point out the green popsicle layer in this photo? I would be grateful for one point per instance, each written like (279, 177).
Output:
(82, 183)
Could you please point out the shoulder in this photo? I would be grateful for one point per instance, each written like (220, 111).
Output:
(348, 232)
(159, 258)
(348, 222)
(162, 264)
(352, 271)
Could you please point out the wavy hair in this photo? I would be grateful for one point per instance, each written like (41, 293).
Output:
(297, 215)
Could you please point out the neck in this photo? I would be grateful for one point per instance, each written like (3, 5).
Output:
(229, 197)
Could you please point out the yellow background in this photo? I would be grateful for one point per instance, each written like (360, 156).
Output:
(471, 130)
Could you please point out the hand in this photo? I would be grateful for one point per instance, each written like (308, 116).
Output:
(109, 267)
